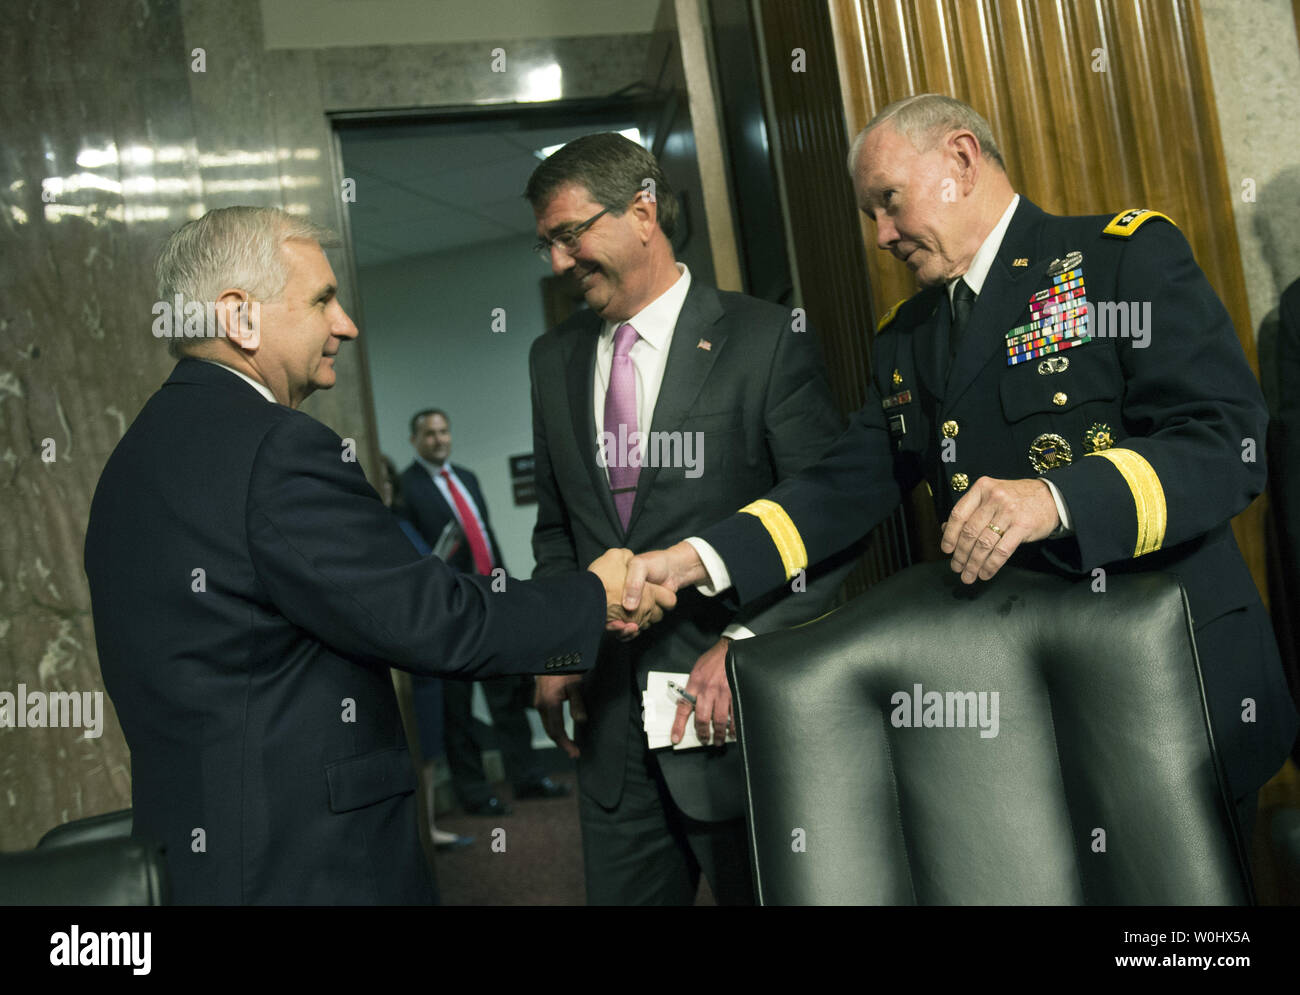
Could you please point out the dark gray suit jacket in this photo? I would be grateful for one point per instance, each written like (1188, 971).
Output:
(758, 395)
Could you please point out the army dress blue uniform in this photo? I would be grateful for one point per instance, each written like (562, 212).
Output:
(1152, 431)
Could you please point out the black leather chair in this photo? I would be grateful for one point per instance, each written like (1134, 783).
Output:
(1101, 785)
(106, 872)
(108, 826)
(91, 861)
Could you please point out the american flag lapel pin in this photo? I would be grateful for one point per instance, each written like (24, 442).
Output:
(704, 344)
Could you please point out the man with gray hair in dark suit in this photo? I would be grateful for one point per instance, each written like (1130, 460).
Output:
(251, 591)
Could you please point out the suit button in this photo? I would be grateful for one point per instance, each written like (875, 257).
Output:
(950, 429)
(960, 482)
(1059, 398)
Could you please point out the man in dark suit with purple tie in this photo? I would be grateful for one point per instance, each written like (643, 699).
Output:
(729, 396)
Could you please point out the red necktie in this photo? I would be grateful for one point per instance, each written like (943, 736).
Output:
(469, 525)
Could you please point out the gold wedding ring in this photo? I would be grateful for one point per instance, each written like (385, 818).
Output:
(994, 528)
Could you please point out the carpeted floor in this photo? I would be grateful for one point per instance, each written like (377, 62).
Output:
(537, 861)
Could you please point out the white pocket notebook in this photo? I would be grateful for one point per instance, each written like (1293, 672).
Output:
(659, 711)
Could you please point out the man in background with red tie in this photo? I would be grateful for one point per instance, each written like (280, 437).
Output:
(444, 502)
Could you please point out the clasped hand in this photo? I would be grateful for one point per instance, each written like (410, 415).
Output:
(653, 600)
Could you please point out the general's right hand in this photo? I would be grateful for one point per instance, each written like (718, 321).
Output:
(549, 694)
(668, 569)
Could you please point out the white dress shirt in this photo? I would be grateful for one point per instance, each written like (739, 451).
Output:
(654, 323)
(261, 388)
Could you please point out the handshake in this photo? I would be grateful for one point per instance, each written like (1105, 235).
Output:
(638, 590)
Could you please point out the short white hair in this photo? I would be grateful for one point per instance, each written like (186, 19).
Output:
(924, 119)
(231, 247)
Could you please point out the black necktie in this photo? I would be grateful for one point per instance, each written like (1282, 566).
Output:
(963, 300)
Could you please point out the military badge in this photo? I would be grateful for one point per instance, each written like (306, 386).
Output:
(1058, 315)
(1072, 260)
(897, 379)
(897, 423)
(1098, 437)
(896, 400)
(1049, 451)
(1054, 364)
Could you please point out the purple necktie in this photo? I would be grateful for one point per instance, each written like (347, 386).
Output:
(621, 422)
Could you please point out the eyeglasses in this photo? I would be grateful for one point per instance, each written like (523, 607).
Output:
(568, 239)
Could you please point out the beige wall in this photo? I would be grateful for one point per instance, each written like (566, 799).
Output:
(1255, 64)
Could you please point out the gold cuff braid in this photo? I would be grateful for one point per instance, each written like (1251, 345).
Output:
(1148, 497)
(786, 538)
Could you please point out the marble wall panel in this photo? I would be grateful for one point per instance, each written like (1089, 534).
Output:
(111, 140)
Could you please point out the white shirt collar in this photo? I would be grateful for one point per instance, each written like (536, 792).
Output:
(433, 468)
(988, 251)
(655, 322)
(261, 388)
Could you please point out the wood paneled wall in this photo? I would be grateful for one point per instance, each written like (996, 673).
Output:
(810, 143)
(1097, 106)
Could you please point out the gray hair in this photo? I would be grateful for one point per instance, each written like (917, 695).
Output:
(230, 247)
(926, 118)
(612, 168)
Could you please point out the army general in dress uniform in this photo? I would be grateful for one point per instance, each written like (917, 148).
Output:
(1072, 391)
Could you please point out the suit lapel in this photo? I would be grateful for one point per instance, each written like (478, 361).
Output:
(580, 373)
(1002, 300)
(688, 366)
(429, 491)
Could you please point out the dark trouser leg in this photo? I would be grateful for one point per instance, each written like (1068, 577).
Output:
(507, 697)
(722, 850)
(463, 757)
(646, 852)
(634, 853)
(427, 694)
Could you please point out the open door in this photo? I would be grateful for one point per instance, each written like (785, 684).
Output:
(683, 131)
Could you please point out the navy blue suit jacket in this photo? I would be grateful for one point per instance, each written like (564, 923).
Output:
(1147, 440)
(250, 592)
